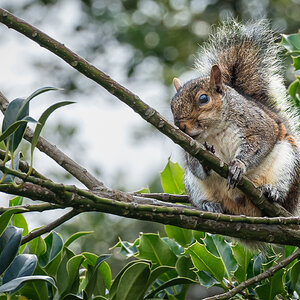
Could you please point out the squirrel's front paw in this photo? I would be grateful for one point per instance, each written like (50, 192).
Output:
(271, 193)
(236, 169)
(209, 148)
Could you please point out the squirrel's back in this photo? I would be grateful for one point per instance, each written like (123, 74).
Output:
(247, 56)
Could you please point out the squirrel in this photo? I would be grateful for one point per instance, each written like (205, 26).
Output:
(239, 106)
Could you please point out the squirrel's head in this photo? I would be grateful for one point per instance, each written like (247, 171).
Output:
(197, 105)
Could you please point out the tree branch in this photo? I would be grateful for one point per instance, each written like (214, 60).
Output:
(270, 272)
(144, 110)
(171, 198)
(30, 236)
(32, 207)
(141, 208)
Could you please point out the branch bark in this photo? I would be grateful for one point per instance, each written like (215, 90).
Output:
(140, 107)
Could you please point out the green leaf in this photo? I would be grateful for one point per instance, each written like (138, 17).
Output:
(54, 246)
(127, 249)
(220, 248)
(15, 201)
(43, 119)
(143, 191)
(9, 244)
(62, 277)
(296, 62)
(12, 115)
(291, 42)
(19, 220)
(73, 266)
(23, 265)
(272, 287)
(94, 277)
(257, 264)
(199, 236)
(75, 236)
(17, 282)
(41, 91)
(153, 248)
(18, 109)
(16, 131)
(295, 277)
(289, 250)
(157, 272)
(203, 260)
(35, 290)
(114, 286)
(133, 282)
(37, 246)
(172, 178)
(182, 236)
(206, 279)
(172, 282)
(293, 90)
(174, 246)
(184, 267)
(52, 266)
(243, 257)
(6, 216)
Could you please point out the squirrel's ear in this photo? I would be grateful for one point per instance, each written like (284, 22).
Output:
(177, 84)
(216, 79)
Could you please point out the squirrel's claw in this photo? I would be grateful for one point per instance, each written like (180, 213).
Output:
(209, 148)
(271, 193)
(236, 169)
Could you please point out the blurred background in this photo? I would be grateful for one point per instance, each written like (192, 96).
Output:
(142, 44)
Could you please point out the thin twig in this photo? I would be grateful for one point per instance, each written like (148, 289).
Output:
(270, 272)
(140, 107)
(33, 207)
(30, 236)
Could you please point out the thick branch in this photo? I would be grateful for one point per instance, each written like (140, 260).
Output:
(270, 272)
(140, 208)
(144, 110)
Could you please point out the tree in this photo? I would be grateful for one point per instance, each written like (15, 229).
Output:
(163, 267)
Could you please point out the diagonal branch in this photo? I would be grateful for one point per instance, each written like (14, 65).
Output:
(33, 234)
(140, 107)
(270, 272)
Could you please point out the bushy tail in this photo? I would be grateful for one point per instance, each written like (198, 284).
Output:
(248, 58)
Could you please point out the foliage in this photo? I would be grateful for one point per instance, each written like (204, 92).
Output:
(292, 45)
(14, 125)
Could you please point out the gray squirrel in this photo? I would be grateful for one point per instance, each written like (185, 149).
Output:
(238, 108)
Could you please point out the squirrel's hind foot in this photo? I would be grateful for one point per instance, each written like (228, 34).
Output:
(236, 169)
(272, 193)
(211, 206)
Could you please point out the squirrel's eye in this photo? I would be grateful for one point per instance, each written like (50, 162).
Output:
(203, 99)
